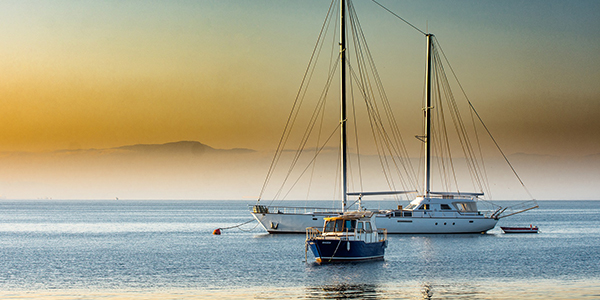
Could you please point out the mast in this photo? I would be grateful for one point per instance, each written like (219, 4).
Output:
(428, 118)
(344, 142)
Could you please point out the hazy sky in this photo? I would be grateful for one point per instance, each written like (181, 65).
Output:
(97, 74)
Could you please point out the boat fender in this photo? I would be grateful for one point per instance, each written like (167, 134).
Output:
(348, 246)
(217, 231)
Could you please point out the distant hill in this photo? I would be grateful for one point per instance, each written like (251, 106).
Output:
(181, 147)
(172, 148)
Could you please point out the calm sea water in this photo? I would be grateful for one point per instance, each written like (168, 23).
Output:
(166, 250)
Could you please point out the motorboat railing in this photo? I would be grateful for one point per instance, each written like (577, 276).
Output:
(378, 235)
(266, 209)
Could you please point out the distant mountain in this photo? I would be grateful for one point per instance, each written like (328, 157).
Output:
(179, 148)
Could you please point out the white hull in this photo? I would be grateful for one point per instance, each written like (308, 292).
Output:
(425, 223)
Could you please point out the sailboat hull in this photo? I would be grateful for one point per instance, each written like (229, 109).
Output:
(426, 224)
(291, 223)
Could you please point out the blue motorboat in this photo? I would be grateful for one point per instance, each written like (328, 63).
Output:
(352, 236)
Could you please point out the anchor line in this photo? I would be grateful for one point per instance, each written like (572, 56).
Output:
(336, 249)
(237, 226)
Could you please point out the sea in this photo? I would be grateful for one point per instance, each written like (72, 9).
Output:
(123, 249)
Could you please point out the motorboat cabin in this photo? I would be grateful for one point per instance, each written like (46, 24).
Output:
(352, 236)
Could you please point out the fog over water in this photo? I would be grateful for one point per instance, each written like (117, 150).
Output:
(195, 171)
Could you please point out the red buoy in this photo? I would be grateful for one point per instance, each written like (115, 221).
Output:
(217, 231)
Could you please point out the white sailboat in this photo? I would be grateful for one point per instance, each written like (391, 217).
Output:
(430, 211)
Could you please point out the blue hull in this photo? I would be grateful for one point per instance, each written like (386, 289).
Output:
(337, 251)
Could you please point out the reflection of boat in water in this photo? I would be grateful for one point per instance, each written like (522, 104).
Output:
(450, 210)
(345, 291)
(525, 229)
(352, 236)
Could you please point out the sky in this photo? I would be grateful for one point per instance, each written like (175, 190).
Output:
(98, 74)
(103, 74)
(94, 74)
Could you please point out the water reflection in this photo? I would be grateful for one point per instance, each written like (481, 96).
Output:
(344, 291)
(427, 291)
(411, 289)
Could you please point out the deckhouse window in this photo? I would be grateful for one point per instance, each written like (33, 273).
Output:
(445, 206)
(359, 227)
(329, 226)
(424, 207)
(339, 225)
(350, 225)
(466, 206)
(368, 227)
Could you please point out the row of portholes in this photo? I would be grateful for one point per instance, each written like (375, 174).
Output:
(445, 223)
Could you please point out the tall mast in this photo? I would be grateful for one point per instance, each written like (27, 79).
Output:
(343, 139)
(428, 118)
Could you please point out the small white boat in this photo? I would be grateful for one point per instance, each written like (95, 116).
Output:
(352, 236)
(530, 229)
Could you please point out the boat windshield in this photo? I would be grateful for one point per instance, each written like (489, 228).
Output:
(340, 226)
(411, 206)
(466, 206)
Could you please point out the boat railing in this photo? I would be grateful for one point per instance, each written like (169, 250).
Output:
(449, 214)
(312, 233)
(382, 234)
(265, 209)
(378, 235)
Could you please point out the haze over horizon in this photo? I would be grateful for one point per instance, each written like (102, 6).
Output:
(101, 75)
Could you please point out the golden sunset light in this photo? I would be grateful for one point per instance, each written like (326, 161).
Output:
(99, 75)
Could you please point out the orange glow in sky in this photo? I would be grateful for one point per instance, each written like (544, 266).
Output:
(102, 74)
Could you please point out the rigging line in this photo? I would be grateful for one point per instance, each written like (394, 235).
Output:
(471, 158)
(313, 159)
(396, 147)
(353, 19)
(308, 130)
(312, 121)
(443, 136)
(377, 131)
(310, 127)
(488, 191)
(283, 138)
(440, 135)
(373, 123)
(332, 66)
(457, 121)
(356, 140)
(360, 79)
(337, 186)
(399, 17)
(482, 123)
(399, 147)
(316, 147)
